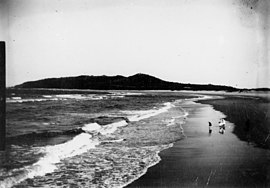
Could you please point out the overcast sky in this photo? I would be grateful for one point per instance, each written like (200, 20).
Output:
(190, 41)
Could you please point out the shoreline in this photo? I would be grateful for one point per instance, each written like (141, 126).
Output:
(207, 160)
(250, 116)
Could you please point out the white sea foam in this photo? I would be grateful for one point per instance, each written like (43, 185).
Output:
(47, 96)
(143, 114)
(122, 94)
(106, 129)
(156, 159)
(82, 97)
(126, 93)
(130, 93)
(206, 97)
(78, 145)
(74, 96)
(110, 128)
(28, 100)
(63, 97)
(117, 96)
(82, 143)
(16, 98)
(170, 122)
(97, 97)
(56, 97)
(53, 155)
(91, 127)
(113, 141)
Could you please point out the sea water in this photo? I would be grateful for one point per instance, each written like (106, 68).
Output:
(59, 138)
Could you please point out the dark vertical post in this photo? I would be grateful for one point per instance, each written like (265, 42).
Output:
(2, 96)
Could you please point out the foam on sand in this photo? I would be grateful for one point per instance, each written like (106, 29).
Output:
(170, 122)
(152, 161)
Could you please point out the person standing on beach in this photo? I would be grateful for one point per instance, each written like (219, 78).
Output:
(222, 124)
(210, 127)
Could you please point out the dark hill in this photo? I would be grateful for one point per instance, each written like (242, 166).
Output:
(135, 82)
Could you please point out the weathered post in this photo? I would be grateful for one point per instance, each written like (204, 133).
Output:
(2, 96)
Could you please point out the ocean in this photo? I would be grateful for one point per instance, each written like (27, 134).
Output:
(84, 138)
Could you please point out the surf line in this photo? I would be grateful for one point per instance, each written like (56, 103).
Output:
(149, 166)
(78, 145)
(185, 115)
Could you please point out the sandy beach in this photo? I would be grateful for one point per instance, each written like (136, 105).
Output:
(250, 114)
(203, 159)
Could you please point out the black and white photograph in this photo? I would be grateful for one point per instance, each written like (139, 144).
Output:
(134, 93)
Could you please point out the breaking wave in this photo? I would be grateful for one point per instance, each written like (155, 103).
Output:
(52, 155)
(64, 97)
(122, 165)
(103, 130)
(143, 114)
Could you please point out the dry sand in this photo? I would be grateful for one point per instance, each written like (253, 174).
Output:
(202, 160)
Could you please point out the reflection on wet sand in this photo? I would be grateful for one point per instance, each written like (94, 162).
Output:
(203, 159)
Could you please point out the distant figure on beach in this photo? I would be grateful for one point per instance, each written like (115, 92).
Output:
(222, 124)
(210, 127)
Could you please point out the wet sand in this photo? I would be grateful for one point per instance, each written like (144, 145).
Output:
(250, 114)
(202, 160)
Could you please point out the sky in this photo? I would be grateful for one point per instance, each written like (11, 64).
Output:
(188, 41)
